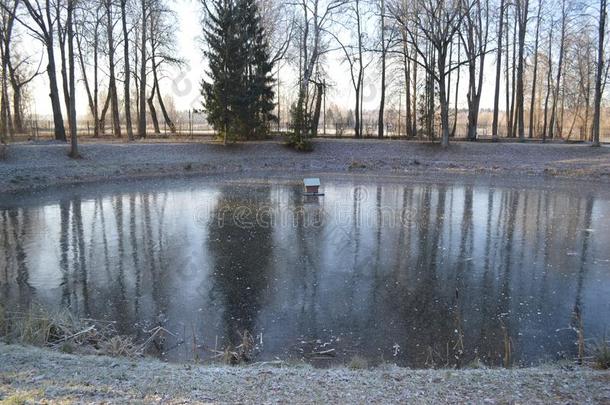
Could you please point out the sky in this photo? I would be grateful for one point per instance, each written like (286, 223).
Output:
(183, 84)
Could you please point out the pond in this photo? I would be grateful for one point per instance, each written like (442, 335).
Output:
(417, 274)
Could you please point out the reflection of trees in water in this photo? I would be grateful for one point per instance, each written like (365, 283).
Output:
(504, 299)
(577, 321)
(14, 234)
(241, 250)
(463, 270)
(372, 284)
(309, 230)
(135, 256)
(79, 254)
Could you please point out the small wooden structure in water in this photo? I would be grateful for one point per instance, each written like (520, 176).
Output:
(312, 187)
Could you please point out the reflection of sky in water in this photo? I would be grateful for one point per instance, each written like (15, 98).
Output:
(385, 271)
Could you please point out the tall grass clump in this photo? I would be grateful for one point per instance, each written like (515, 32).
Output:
(601, 354)
(358, 363)
(39, 327)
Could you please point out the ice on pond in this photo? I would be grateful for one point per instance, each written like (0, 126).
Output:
(418, 273)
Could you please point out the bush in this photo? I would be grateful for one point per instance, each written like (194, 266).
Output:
(301, 145)
(300, 137)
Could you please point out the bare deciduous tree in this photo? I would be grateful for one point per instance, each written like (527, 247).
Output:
(599, 72)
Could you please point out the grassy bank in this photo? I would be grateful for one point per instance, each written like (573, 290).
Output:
(31, 374)
(38, 166)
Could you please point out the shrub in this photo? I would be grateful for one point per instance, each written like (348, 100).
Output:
(301, 145)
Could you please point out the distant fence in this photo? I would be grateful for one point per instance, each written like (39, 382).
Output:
(44, 130)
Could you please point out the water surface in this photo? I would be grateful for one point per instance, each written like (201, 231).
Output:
(412, 273)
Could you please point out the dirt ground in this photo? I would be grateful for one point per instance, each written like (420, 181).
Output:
(32, 166)
(41, 376)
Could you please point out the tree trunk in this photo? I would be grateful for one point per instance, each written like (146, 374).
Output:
(443, 100)
(58, 120)
(166, 117)
(494, 129)
(535, 74)
(114, 99)
(512, 121)
(72, 81)
(457, 91)
(153, 111)
(126, 80)
(599, 74)
(522, 14)
(549, 74)
(559, 72)
(102, 118)
(63, 36)
(142, 96)
(315, 122)
(507, 74)
(414, 95)
(5, 129)
(407, 72)
(17, 110)
(380, 129)
(90, 96)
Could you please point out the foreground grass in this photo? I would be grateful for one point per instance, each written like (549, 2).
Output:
(36, 375)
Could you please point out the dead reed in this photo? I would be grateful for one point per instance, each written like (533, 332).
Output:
(63, 331)
(600, 353)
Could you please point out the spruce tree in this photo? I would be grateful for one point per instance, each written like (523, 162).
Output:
(223, 92)
(259, 82)
(238, 97)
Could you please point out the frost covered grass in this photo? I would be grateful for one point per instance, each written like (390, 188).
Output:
(31, 374)
(36, 166)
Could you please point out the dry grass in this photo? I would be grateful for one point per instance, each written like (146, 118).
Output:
(119, 346)
(67, 333)
(356, 165)
(24, 397)
(243, 353)
(600, 351)
(358, 363)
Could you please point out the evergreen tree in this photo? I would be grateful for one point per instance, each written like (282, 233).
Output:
(226, 67)
(238, 97)
(259, 83)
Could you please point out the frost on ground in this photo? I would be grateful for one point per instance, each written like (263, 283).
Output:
(31, 374)
(29, 166)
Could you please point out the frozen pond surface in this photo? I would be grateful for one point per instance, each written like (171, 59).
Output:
(412, 273)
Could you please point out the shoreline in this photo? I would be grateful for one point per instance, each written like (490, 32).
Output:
(31, 374)
(32, 167)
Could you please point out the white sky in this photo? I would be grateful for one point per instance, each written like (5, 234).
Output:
(183, 85)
